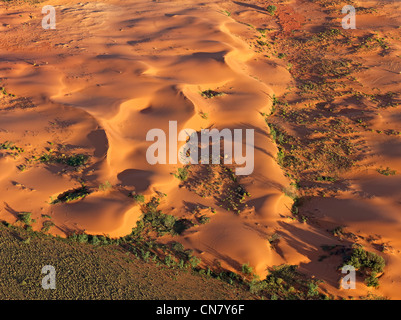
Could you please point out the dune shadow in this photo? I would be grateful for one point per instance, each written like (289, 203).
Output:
(11, 210)
(309, 243)
(252, 6)
(202, 56)
(140, 179)
(390, 148)
(223, 257)
(135, 42)
(99, 140)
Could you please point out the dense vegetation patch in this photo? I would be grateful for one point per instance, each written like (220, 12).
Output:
(369, 264)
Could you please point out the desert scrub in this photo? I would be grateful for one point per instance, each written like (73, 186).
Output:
(8, 145)
(72, 195)
(21, 167)
(77, 160)
(386, 172)
(182, 173)
(159, 222)
(221, 183)
(105, 186)
(137, 197)
(271, 9)
(195, 261)
(203, 115)
(4, 92)
(338, 231)
(211, 94)
(246, 269)
(273, 240)
(328, 153)
(284, 282)
(25, 217)
(227, 13)
(93, 239)
(369, 264)
(203, 219)
(326, 179)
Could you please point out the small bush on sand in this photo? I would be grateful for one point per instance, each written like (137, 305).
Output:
(271, 9)
(25, 217)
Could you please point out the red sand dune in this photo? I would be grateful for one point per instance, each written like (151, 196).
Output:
(113, 70)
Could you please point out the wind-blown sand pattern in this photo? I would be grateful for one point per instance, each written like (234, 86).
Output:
(113, 70)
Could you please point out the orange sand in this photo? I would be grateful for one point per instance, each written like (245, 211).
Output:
(111, 71)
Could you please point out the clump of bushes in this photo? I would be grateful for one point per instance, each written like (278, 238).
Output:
(182, 174)
(284, 282)
(211, 93)
(77, 160)
(203, 219)
(137, 197)
(160, 222)
(386, 172)
(367, 263)
(72, 195)
(194, 261)
(93, 239)
(8, 145)
(25, 217)
(246, 269)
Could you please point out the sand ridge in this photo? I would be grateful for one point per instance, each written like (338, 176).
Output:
(125, 76)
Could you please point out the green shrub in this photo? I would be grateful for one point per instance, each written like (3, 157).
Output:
(138, 197)
(105, 186)
(313, 289)
(386, 172)
(194, 261)
(25, 217)
(362, 259)
(211, 93)
(168, 260)
(182, 174)
(82, 238)
(176, 246)
(246, 269)
(72, 195)
(271, 9)
(368, 263)
(77, 160)
(8, 145)
(372, 281)
(145, 256)
(160, 222)
(203, 219)
(257, 286)
(94, 240)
